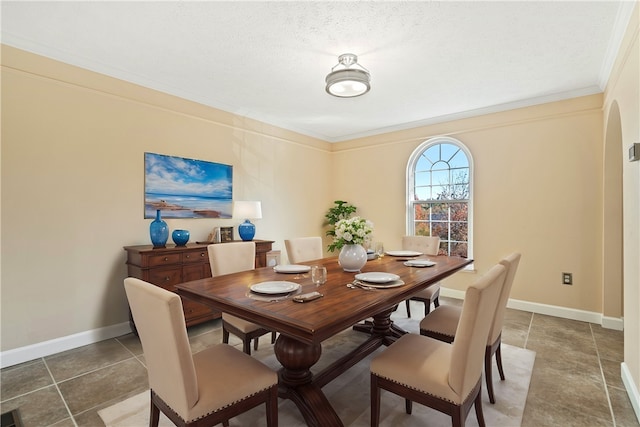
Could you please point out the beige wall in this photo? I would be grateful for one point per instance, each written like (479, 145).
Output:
(72, 188)
(622, 109)
(537, 190)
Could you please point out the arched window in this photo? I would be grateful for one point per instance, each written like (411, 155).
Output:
(439, 194)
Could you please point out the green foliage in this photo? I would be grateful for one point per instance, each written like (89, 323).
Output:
(341, 210)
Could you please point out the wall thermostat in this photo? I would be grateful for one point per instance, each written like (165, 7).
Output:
(634, 152)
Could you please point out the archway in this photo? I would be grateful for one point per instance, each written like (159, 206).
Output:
(612, 247)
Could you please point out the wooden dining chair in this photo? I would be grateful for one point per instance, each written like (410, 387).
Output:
(447, 378)
(303, 249)
(202, 389)
(228, 258)
(428, 245)
(442, 323)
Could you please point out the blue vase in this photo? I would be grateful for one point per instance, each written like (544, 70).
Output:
(180, 237)
(159, 231)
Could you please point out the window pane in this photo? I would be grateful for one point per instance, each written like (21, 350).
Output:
(421, 212)
(459, 249)
(459, 211)
(459, 231)
(440, 229)
(422, 229)
(422, 193)
(459, 160)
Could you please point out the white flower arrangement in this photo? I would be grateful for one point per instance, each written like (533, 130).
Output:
(351, 231)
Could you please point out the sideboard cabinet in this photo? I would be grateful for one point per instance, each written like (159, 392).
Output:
(166, 267)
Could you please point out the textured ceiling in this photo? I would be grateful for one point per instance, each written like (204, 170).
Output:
(429, 61)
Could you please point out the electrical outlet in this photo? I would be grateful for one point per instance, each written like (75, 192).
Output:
(567, 278)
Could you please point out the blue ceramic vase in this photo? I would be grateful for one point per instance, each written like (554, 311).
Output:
(180, 237)
(159, 231)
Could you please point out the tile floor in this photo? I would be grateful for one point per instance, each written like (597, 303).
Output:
(575, 382)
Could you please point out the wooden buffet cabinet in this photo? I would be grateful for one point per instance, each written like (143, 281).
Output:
(166, 267)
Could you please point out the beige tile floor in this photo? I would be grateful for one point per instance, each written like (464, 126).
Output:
(575, 382)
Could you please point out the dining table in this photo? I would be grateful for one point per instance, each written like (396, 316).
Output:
(303, 326)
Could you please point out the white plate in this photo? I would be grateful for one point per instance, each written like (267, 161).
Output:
(403, 253)
(419, 263)
(291, 268)
(377, 277)
(393, 284)
(279, 287)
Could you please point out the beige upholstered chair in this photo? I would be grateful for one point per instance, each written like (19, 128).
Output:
(447, 378)
(428, 245)
(303, 249)
(227, 258)
(442, 324)
(206, 388)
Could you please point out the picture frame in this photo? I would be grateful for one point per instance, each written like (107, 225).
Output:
(186, 188)
(226, 234)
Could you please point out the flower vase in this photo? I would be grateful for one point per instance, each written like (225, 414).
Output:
(159, 231)
(352, 257)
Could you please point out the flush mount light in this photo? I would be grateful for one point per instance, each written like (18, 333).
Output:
(347, 81)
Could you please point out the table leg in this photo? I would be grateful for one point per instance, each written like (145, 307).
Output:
(296, 383)
(383, 326)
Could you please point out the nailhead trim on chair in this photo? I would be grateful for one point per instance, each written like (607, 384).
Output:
(217, 410)
(417, 389)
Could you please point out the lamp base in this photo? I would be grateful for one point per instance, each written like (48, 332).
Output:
(246, 230)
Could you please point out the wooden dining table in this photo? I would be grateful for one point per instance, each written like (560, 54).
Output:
(302, 327)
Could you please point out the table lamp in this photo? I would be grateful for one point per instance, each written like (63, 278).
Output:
(248, 210)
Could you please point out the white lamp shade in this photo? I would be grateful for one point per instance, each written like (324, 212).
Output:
(247, 209)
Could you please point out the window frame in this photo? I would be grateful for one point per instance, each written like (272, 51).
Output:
(410, 188)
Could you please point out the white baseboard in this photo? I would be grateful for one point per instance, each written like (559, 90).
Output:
(46, 348)
(632, 390)
(551, 310)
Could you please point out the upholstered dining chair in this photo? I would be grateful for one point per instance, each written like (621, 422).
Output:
(441, 324)
(303, 249)
(202, 389)
(428, 245)
(227, 258)
(447, 378)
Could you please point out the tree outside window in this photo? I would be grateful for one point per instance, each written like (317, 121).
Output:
(439, 194)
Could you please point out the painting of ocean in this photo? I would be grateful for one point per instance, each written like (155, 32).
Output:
(186, 188)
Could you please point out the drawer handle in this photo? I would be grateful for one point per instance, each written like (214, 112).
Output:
(166, 258)
(202, 255)
(188, 256)
(166, 279)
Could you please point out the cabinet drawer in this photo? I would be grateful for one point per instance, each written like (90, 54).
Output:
(165, 276)
(167, 259)
(195, 256)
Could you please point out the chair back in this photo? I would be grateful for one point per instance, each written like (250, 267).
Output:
(428, 245)
(159, 320)
(511, 264)
(227, 258)
(478, 308)
(303, 249)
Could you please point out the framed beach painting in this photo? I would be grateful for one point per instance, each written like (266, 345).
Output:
(186, 188)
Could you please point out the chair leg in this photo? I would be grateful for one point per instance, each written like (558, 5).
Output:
(225, 336)
(273, 337)
(225, 423)
(272, 407)
(427, 308)
(255, 343)
(246, 346)
(408, 309)
(436, 301)
(154, 415)
(478, 405)
(499, 361)
(375, 402)
(408, 406)
(488, 374)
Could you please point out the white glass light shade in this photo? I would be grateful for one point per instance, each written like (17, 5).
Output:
(247, 209)
(348, 83)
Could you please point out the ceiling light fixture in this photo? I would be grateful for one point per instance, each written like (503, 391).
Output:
(347, 82)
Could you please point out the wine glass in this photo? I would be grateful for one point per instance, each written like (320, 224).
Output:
(379, 248)
(318, 274)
